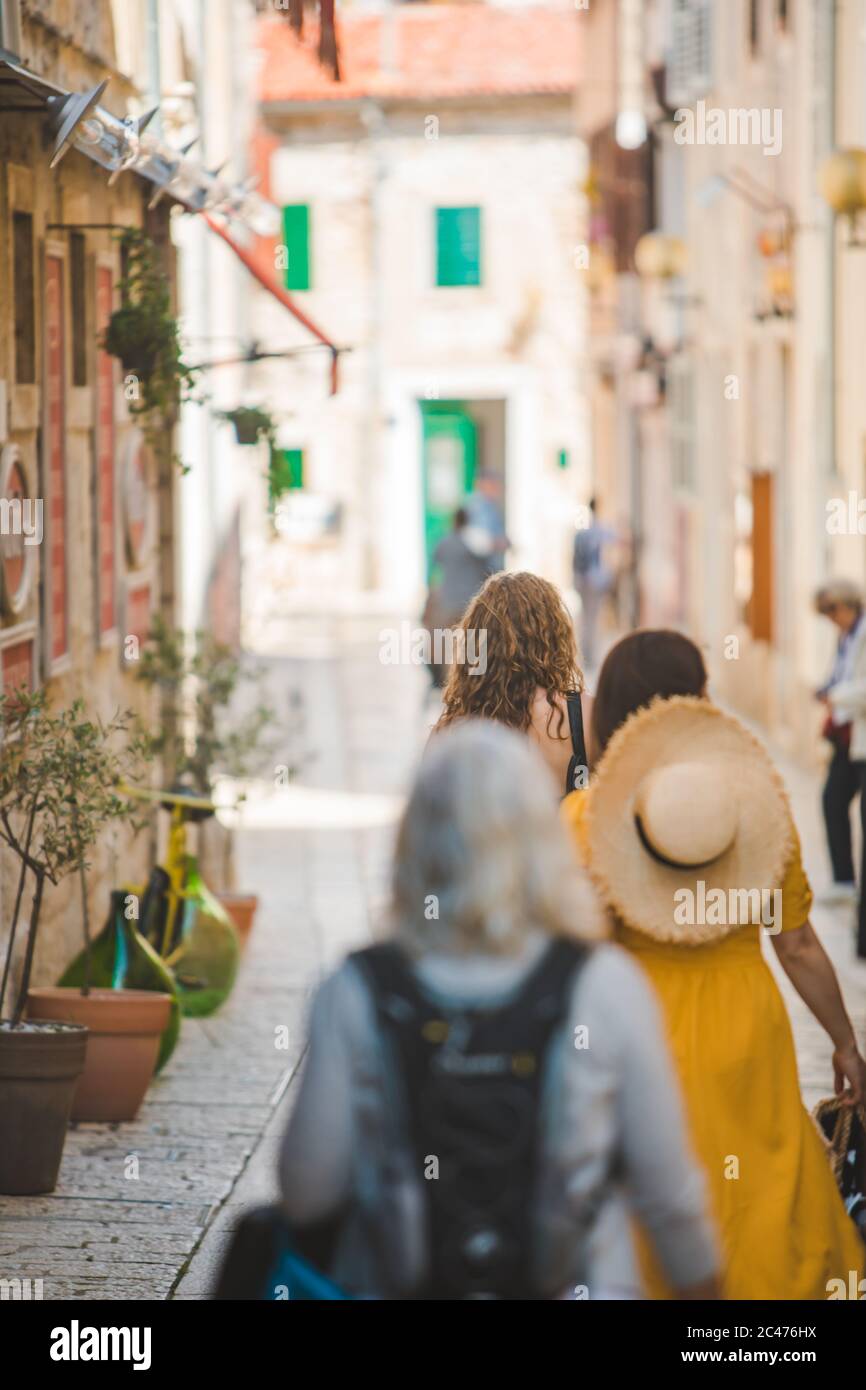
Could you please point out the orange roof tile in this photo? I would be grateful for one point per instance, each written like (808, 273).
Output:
(436, 51)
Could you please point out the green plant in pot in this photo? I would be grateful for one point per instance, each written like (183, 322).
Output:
(77, 766)
(202, 736)
(251, 423)
(143, 334)
(56, 776)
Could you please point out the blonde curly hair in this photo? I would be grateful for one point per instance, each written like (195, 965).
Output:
(530, 645)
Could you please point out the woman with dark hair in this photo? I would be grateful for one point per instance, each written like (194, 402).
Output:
(687, 833)
(525, 671)
(639, 669)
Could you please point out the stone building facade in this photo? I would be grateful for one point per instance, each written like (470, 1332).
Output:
(738, 336)
(433, 227)
(67, 439)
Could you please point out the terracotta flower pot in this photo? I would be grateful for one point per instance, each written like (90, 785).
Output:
(124, 1028)
(241, 907)
(39, 1067)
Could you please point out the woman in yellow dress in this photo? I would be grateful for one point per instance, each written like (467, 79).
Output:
(687, 832)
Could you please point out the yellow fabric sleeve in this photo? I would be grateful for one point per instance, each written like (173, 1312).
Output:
(796, 891)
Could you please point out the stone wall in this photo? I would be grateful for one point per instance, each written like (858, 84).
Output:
(75, 192)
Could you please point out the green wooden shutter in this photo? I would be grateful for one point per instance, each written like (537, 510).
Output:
(296, 236)
(286, 472)
(458, 246)
(295, 463)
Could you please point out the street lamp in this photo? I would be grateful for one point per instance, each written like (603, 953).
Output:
(842, 184)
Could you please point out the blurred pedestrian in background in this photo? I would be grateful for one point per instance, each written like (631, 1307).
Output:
(842, 603)
(488, 1092)
(533, 681)
(594, 578)
(685, 803)
(461, 574)
(845, 696)
(485, 522)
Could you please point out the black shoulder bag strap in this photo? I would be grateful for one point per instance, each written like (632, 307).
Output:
(578, 761)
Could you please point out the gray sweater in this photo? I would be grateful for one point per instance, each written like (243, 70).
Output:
(614, 1139)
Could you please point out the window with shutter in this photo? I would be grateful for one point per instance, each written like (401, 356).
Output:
(458, 246)
(80, 324)
(681, 397)
(296, 235)
(689, 67)
(702, 78)
(286, 472)
(25, 310)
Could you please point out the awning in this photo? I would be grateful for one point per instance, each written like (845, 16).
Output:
(279, 293)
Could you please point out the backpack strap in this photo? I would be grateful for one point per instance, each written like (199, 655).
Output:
(389, 975)
(578, 758)
(398, 994)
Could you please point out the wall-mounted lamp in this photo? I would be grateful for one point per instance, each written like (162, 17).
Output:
(68, 120)
(120, 144)
(842, 185)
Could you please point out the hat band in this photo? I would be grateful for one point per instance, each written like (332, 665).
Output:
(661, 858)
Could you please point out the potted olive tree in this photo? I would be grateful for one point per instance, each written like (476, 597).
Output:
(203, 736)
(57, 778)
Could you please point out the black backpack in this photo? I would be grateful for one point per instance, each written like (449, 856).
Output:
(472, 1082)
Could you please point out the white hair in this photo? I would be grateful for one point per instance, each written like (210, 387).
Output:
(482, 857)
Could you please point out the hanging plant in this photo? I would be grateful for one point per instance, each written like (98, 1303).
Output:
(143, 334)
(251, 424)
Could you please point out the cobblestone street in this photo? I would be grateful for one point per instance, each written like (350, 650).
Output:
(135, 1201)
(143, 1210)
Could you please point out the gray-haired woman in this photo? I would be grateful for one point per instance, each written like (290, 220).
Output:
(489, 1094)
(842, 603)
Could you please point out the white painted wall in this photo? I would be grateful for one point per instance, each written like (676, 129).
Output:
(373, 188)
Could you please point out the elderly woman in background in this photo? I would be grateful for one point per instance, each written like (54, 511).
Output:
(845, 696)
(841, 602)
(487, 1092)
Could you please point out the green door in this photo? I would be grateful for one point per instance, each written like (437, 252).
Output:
(450, 448)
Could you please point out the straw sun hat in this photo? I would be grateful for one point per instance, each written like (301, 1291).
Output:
(685, 798)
